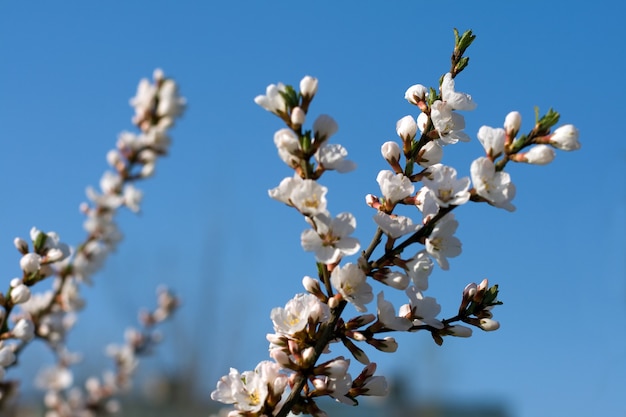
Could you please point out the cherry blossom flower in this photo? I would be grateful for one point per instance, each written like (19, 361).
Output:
(394, 225)
(351, 283)
(492, 139)
(441, 244)
(330, 240)
(272, 101)
(394, 187)
(309, 197)
(422, 310)
(454, 99)
(297, 313)
(333, 157)
(324, 127)
(449, 125)
(495, 187)
(419, 269)
(447, 190)
(387, 315)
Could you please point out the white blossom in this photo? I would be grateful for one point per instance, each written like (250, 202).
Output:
(394, 225)
(422, 310)
(495, 187)
(492, 139)
(324, 127)
(387, 315)
(442, 182)
(394, 187)
(273, 101)
(309, 197)
(333, 157)
(330, 240)
(419, 269)
(351, 283)
(297, 312)
(454, 99)
(448, 124)
(441, 244)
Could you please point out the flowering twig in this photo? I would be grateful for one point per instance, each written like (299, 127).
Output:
(310, 322)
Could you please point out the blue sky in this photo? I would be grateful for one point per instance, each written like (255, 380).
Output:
(209, 231)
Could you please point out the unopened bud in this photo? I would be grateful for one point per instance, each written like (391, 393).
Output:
(20, 294)
(416, 93)
(489, 325)
(297, 117)
(406, 128)
(311, 285)
(460, 331)
(30, 263)
(512, 123)
(308, 86)
(324, 127)
(114, 157)
(539, 155)
(565, 138)
(430, 154)
(147, 170)
(391, 152)
(21, 245)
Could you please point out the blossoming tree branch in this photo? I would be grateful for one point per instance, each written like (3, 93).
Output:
(304, 364)
(48, 315)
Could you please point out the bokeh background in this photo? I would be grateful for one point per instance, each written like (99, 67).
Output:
(209, 230)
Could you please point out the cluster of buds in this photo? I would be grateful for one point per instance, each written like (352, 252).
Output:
(309, 323)
(48, 315)
(99, 396)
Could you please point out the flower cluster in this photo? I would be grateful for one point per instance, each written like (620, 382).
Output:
(49, 314)
(99, 394)
(311, 322)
